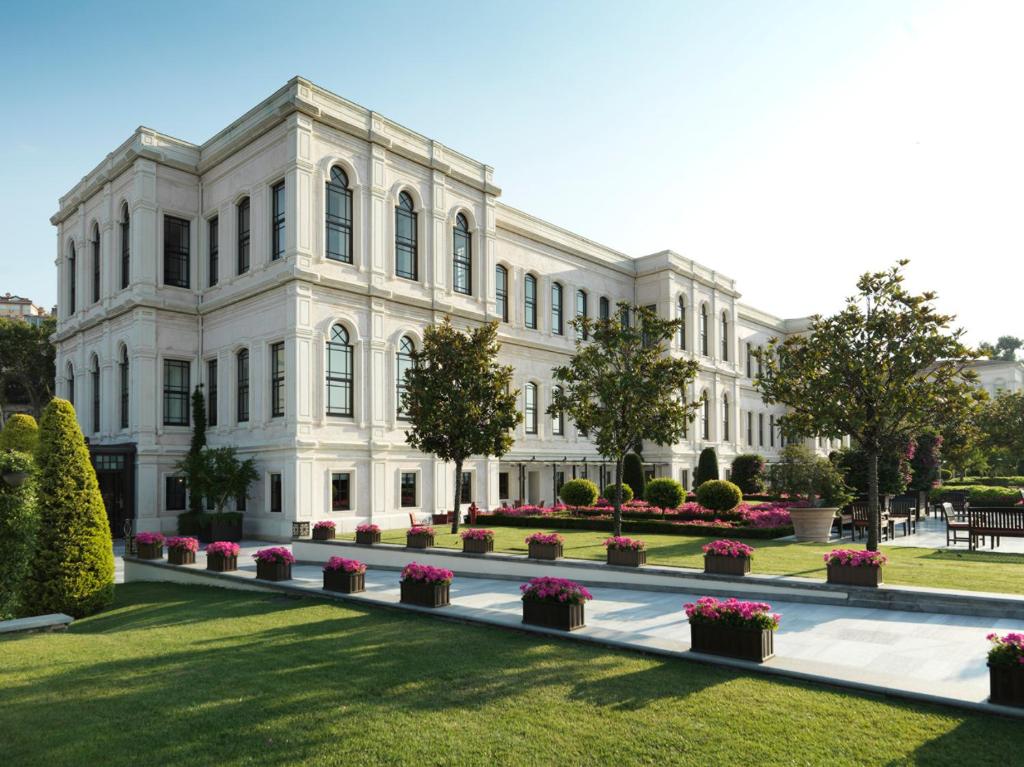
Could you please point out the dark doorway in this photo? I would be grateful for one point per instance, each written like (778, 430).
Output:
(115, 471)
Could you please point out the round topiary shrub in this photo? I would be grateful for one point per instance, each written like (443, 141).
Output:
(665, 493)
(609, 492)
(578, 492)
(719, 495)
(20, 433)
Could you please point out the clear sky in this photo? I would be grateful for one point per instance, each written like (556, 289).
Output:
(790, 145)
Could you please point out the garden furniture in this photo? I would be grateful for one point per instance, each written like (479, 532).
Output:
(995, 523)
(954, 524)
(902, 512)
(859, 513)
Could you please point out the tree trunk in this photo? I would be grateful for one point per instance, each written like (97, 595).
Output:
(458, 496)
(617, 513)
(874, 515)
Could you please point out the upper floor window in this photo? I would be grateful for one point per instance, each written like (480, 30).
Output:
(750, 428)
(704, 329)
(750, 360)
(339, 373)
(72, 279)
(558, 417)
(242, 386)
(277, 219)
(725, 336)
(760, 429)
(71, 383)
(462, 256)
(126, 239)
(176, 252)
(605, 309)
(581, 311)
(406, 258)
(211, 392)
(530, 301)
(339, 217)
(501, 292)
(556, 308)
(682, 322)
(94, 375)
(403, 362)
(176, 392)
(771, 430)
(277, 379)
(725, 417)
(530, 416)
(95, 263)
(705, 417)
(124, 386)
(213, 231)
(243, 236)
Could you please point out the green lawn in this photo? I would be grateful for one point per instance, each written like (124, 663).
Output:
(975, 571)
(177, 675)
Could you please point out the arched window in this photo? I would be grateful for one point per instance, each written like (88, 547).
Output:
(682, 322)
(243, 236)
(558, 417)
(339, 373)
(725, 336)
(125, 246)
(71, 384)
(530, 416)
(72, 280)
(462, 257)
(705, 416)
(725, 417)
(530, 302)
(339, 217)
(704, 329)
(581, 311)
(242, 386)
(406, 261)
(501, 292)
(556, 308)
(94, 376)
(124, 386)
(403, 362)
(605, 310)
(95, 263)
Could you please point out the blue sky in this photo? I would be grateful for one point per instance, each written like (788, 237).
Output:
(789, 145)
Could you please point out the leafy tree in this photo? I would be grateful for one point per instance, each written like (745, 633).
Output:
(622, 387)
(707, 467)
(1001, 422)
(19, 521)
(1005, 348)
(633, 475)
(880, 371)
(459, 400)
(748, 472)
(894, 469)
(195, 448)
(27, 362)
(804, 476)
(925, 463)
(217, 473)
(20, 433)
(665, 493)
(72, 567)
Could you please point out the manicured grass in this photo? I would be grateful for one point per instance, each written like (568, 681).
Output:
(974, 571)
(177, 675)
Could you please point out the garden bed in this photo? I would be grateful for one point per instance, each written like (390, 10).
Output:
(601, 523)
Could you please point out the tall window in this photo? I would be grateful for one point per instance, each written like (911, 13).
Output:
(771, 430)
(277, 379)
(466, 493)
(276, 496)
(462, 256)
(339, 373)
(501, 292)
(71, 384)
(408, 489)
(341, 491)
(725, 336)
(558, 417)
(704, 329)
(556, 308)
(705, 417)
(243, 236)
(72, 279)
(94, 375)
(531, 408)
(605, 309)
(406, 260)
(750, 360)
(176, 252)
(682, 322)
(123, 371)
(581, 311)
(95, 263)
(725, 418)
(242, 386)
(277, 221)
(403, 362)
(126, 239)
(760, 429)
(211, 392)
(174, 493)
(530, 301)
(213, 230)
(750, 428)
(176, 392)
(339, 217)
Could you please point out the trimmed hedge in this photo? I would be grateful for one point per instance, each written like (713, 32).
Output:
(665, 493)
(719, 495)
(609, 492)
(19, 521)
(633, 526)
(985, 481)
(980, 495)
(21, 433)
(578, 492)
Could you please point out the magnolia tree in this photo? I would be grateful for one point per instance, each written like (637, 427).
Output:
(458, 399)
(884, 370)
(621, 387)
(1002, 426)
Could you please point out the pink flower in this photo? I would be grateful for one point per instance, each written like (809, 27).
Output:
(348, 565)
(732, 612)
(555, 590)
(274, 555)
(366, 528)
(414, 571)
(324, 525)
(1006, 650)
(476, 534)
(150, 539)
(183, 543)
(545, 538)
(223, 548)
(855, 558)
(421, 530)
(726, 548)
(622, 543)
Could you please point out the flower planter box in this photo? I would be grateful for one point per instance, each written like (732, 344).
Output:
(1006, 685)
(220, 563)
(846, 575)
(545, 550)
(627, 557)
(746, 644)
(425, 594)
(719, 565)
(553, 615)
(151, 550)
(477, 545)
(367, 539)
(346, 583)
(323, 534)
(273, 571)
(181, 556)
(419, 541)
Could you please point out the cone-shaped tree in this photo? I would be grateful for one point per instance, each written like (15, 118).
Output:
(707, 467)
(20, 433)
(18, 522)
(72, 568)
(633, 475)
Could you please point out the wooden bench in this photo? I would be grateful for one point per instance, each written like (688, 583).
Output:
(994, 523)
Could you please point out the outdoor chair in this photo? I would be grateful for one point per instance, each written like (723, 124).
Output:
(902, 512)
(955, 525)
(859, 511)
(844, 519)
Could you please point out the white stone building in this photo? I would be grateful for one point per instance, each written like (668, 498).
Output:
(286, 263)
(995, 376)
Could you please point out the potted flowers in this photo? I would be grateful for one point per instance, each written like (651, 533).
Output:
(626, 552)
(1006, 669)
(545, 545)
(854, 567)
(738, 629)
(419, 537)
(182, 550)
(323, 531)
(345, 575)
(274, 564)
(150, 545)
(475, 541)
(367, 534)
(817, 489)
(727, 557)
(425, 586)
(222, 556)
(556, 603)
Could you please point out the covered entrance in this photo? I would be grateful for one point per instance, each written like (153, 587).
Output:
(115, 471)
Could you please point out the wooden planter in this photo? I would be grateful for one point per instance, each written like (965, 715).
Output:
(1006, 685)
(553, 615)
(545, 550)
(346, 583)
(273, 571)
(419, 541)
(848, 575)
(626, 557)
(746, 644)
(220, 563)
(367, 539)
(719, 565)
(151, 550)
(425, 594)
(181, 556)
(323, 534)
(477, 545)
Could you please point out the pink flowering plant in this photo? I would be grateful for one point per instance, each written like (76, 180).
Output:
(732, 613)
(421, 530)
(855, 558)
(324, 525)
(352, 566)
(559, 590)
(477, 534)
(275, 555)
(150, 539)
(727, 548)
(545, 538)
(367, 528)
(223, 548)
(1006, 650)
(184, 543)
(414, 571)
(621, 543)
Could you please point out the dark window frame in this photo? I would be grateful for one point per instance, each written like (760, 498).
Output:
(581, 311)
(242, 375)
(177, 260)
(343, 379)
(213, 244)
(96, 263)
(277, 220)
(501, 291)
(338, 215)
(341, 502)
(408, 491)
(462, 258)
(558, 417)
(277, 380)
(704, 330)
(406, 246)
(124, 386)
(557, 309)
(72, 280)
(403, 362)
(276, 492)
(126, 236)
(177, 395)
(681, 306)
(243, 217)
(174, 489)
(530, 407)
(211, 392)
(604, 308)
(94, 376)
(530, 301)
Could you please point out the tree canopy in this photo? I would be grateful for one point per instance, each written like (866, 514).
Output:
(27, 369)
(1005, 348)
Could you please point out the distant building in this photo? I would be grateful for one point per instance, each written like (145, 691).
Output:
(995, 376)
(19, 308)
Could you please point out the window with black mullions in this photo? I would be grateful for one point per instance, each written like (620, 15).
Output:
(94, 373)
(242, 387)
(277, 219)
(501, 292)
(339, 217)
(408, 491)
(581, 312)
(403, 362)
(462, 256)
(125, 246)
(341, 484)
(176, 252)
(277, 380)
(406, 261)
(176, 392)
(530, 301)
(95, 263)
(124, 370)
(275, 493)
(211, 392)
(339, 373)
(213, 230)
(556, 308)
(243, 236)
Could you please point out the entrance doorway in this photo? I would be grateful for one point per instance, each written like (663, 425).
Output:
(115, 472)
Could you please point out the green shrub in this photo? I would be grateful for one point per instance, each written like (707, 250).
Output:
(72, 567)
(945, 474)
(1012, 481)
(665, 493)
(578, 492)
(20, 433)
(18, 523)
(707, 467)
(980, 495)
(748, 473)
(609, 492)
(633, 475)
(719, 495)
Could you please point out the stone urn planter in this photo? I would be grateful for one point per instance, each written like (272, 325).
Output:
(1006, 685)
(756, 645)
(719, 565)
(813, 525)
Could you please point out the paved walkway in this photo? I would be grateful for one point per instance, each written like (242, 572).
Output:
(931, 534)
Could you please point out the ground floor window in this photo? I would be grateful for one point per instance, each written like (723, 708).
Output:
(503, 484)
(467, 487)
(174, 493)
(408, 488)
(341, 484)
(684, 478)
(275, 492)
(559, 481)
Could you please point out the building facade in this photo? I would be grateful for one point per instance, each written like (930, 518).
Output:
(288, 266)
(20, 308)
